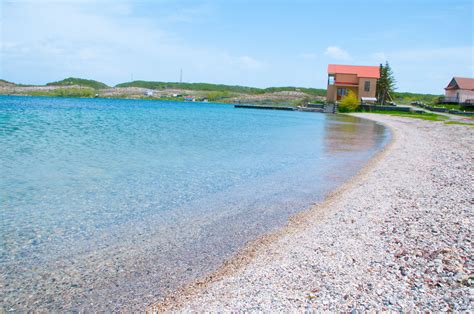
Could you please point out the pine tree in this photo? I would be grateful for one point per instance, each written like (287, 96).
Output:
(386, 84)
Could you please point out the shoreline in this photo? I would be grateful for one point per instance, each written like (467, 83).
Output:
(109, 266)
(239, 281)
(296, 222)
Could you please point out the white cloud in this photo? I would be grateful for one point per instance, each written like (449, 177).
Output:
(337, 53)
(46, 41)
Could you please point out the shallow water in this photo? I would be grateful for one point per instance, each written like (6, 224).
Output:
(109, 204)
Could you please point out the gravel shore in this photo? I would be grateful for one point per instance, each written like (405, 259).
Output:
(396, 236)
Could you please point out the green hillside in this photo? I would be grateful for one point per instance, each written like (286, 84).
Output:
(192, 86)
(6, 83)
(219, 87)
(80, 82)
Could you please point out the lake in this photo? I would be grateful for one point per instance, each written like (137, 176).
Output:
(111, 204)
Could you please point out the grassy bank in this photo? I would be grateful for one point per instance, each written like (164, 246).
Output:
(406, 98)
(423, 116)
(459, 123)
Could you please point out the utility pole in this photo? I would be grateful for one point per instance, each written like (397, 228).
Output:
(131, 77)
(181, 76)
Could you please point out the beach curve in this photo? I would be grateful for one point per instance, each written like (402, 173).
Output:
(391, 237)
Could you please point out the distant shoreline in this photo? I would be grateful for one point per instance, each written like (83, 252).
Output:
(194, 92)
(178, 91)
(261, 103)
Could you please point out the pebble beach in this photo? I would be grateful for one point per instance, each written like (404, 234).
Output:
(397, 236)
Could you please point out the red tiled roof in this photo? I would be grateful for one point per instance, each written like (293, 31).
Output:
(359, 70)
(463, 83)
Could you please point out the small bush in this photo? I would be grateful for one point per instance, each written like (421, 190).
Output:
(349, 102)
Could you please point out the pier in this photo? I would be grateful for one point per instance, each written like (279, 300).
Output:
(265, 107)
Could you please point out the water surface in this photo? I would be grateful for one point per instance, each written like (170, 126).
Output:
(109, 204)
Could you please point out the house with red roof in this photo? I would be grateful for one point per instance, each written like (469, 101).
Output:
(459, 90)
(360, 79)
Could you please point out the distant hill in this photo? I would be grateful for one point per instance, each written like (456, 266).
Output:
(78, 81)
(192, 86)
(217, 91)
(219, 87)
(6, 83)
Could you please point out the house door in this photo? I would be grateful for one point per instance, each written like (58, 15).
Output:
(341, 92)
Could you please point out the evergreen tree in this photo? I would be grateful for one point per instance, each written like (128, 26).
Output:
(386, 84)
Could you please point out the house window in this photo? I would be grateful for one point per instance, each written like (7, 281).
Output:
(331, 79)
(367, 86)
(341, 92)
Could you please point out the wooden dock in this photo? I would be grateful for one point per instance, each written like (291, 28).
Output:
(265, 107)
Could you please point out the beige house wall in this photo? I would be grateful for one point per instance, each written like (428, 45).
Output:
(346, 78)
(371, 92)
(465, 95)
(450, 92)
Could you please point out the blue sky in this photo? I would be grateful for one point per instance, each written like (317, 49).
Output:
(254, 43)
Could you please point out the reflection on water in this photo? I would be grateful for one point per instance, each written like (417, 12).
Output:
(111, 203)
(350, 134)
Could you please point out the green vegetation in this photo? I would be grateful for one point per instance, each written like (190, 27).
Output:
(349, 102)
(466, 107)
(448, 106)
(7, 83)
(65, 92)
(460, 123)
(213, 92)
(220, 88)
(217, 95)
(411, 114)
(79, 82)
(310, 91)
(462, 107)
(385, 84)
(191, 86)
(406, 98)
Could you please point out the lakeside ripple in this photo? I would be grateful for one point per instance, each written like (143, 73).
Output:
(108, 204)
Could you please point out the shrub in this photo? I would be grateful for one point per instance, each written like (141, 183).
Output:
(349, 102)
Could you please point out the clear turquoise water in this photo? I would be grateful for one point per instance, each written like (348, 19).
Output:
(107, 204)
